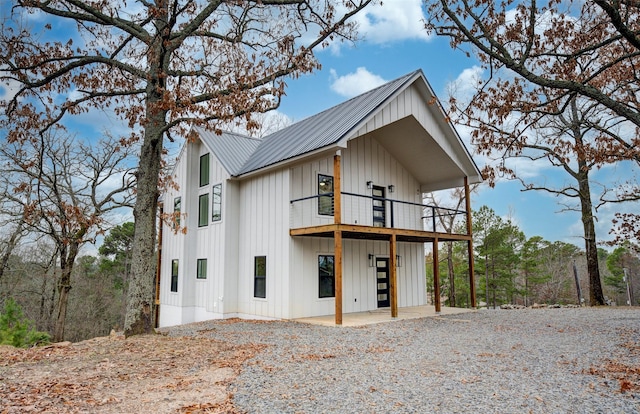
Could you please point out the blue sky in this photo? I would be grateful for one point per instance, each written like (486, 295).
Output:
(394, 43)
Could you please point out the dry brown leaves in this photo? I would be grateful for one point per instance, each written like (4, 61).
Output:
(628, 376)
(114, 375)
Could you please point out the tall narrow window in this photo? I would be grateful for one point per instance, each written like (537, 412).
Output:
(216, 208)
(174, 275)
(325, 203)
(326, 277)
(204, 170)
(201, 272)
(260, 277)
(177, 206)
(379, 207)
(203, 210)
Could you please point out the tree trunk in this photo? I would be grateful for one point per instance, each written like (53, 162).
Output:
(596, 296)
(11, 245)
(139, 316)
(64, 286)
(452, 286)
(140, 297)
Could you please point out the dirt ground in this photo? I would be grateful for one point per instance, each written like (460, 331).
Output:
(116, 375)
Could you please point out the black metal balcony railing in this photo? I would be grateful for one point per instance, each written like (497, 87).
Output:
(358, 209)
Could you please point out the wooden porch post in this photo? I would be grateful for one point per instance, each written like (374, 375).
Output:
(436, 277)
(472, 278)
(393, 279)
(337, 238)
(337, 267)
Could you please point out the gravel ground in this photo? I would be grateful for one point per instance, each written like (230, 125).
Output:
(583, 360)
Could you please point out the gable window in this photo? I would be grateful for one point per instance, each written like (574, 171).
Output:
(204, 170)
(325, 203)
(260, 277)
(177, 206)
(203, 210)
(216, 208)
(174, 275)
(326, 277)
(201, 272)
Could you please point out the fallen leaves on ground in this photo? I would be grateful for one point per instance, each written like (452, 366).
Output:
(150, 373)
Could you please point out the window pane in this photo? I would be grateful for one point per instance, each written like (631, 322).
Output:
(216, 209)
(202, 269)
(325, 186)
(177, 206)
(326, 276)
(174, 275)
(204, 170)
(203, 210)
(260, 277)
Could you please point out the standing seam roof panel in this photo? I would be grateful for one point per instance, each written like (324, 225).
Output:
(231, 149)
(321, 130)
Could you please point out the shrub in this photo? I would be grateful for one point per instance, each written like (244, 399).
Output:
(17, 330)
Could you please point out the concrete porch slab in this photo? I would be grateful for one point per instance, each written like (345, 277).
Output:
(383, 315)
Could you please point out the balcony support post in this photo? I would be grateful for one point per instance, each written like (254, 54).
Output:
(337, 238)
(436, 277)
(393, 276)
(472, 278)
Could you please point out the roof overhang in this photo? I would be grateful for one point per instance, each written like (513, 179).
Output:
(435, 166)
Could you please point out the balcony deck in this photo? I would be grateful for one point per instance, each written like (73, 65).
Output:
(355, 231)
(408, 221)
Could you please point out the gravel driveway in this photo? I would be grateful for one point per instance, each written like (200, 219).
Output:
(584, 360)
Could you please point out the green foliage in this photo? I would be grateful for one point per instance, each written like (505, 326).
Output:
(16, 330)
(116, 254)
(498, 256)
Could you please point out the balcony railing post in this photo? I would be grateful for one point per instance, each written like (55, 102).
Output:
(391, 211)
(433, 219)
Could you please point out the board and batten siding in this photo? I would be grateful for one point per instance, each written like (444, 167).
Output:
(363, 160)
(359, 279)
(264, 231)
(196, 299)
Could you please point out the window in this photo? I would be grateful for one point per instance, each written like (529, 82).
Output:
(201, 272)
(379, 206)
(260, 277)
(203, 210)
(216, 209)
(326, 277)
(176, 210)
(174, 275)
(204, 170)
(325, 203)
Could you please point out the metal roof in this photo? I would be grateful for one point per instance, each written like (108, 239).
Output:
(321, 130)
(241, 155)
(233, 150)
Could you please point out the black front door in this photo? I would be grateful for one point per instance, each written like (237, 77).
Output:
(382, 282)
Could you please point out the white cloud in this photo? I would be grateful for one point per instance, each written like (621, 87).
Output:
(393, 21)
(466, 84)
(8, 88)
(355, 83)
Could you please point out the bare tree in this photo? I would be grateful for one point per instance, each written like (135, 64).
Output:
(66, 190)
(161, 66)
(449, 221)
(559, 90)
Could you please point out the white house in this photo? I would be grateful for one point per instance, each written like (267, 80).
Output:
(324, 217)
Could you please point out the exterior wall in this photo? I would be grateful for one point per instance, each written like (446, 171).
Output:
(263, 231)
(197, 299)
(363, 160)
(359, 280)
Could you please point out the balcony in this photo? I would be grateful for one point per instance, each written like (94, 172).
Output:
(366, 216)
